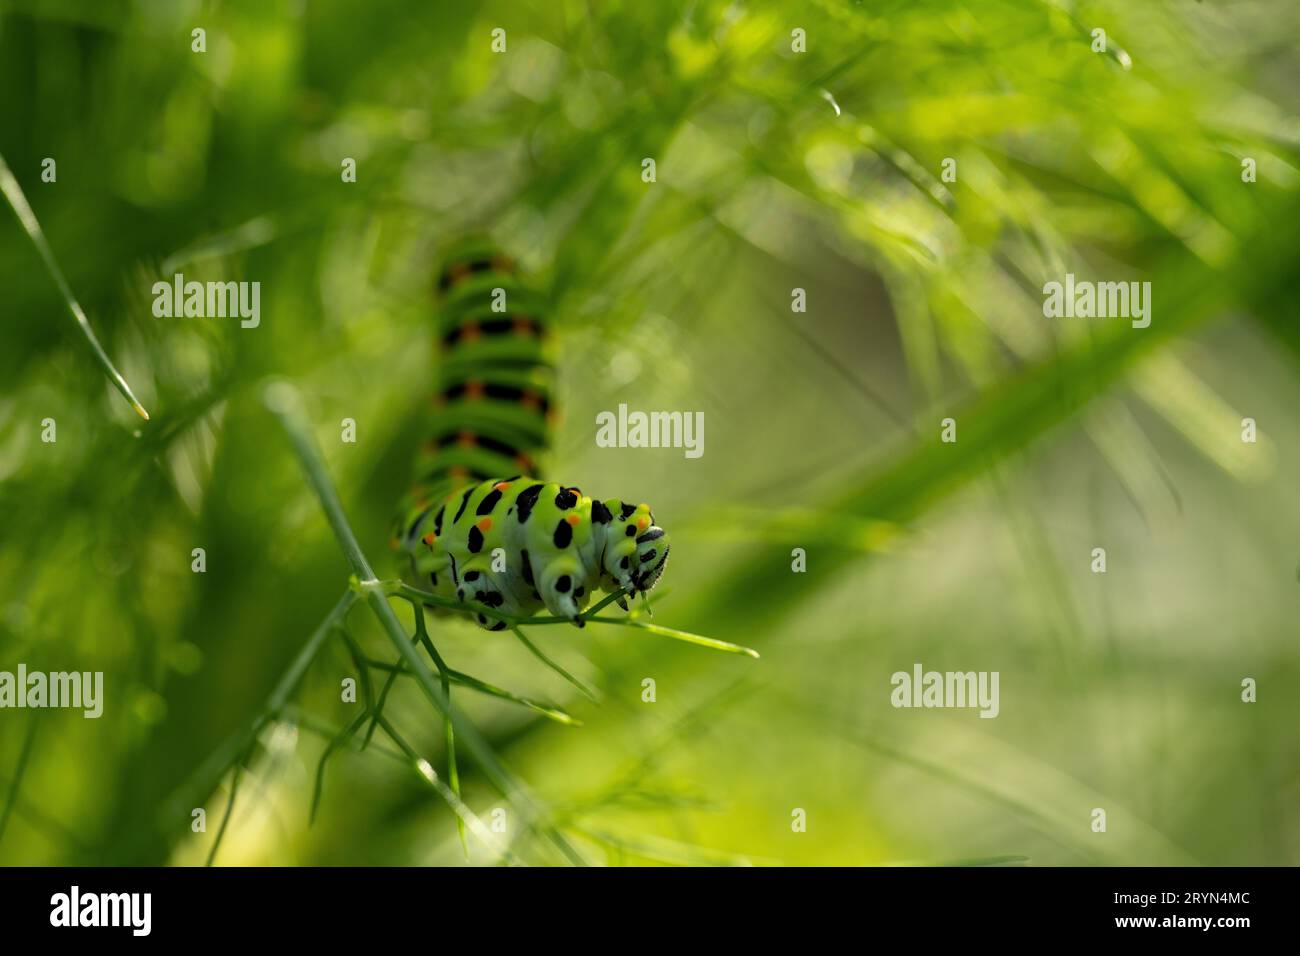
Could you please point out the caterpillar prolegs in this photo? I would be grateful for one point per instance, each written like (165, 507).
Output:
(475, 527)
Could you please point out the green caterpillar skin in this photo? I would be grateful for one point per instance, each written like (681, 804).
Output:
(516, 544)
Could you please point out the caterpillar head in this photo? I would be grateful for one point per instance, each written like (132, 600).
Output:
(637, 549)
(651, 557)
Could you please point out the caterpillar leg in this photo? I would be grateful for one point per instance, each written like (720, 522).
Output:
(430, 569)
(479, 585)
(562, 585)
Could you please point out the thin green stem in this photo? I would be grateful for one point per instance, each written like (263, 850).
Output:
(409, 756)
(537, 652)
(550, 711)
(448, 728)
(358, 661)
(32, 226)
(416, 597)
(710, 642)
(283, 400)
(393, 674)
(427, 774)
(289, 682)
(201, 783)
(230, 808)
(338, 740)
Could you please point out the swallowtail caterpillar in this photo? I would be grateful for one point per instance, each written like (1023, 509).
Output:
(474, 502)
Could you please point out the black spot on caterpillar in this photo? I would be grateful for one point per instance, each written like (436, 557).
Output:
(526, 500)
(489, 502)
(463, 502)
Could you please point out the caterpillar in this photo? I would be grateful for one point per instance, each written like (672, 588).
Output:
(516, 543)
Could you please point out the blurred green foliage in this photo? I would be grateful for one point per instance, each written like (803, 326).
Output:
(775, 170)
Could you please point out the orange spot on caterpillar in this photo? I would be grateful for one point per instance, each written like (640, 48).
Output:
(522, 327)
(458, 272)
(503, 263)
(474, 391)
(430, 538)
(572, 519)
(469, 332)
(457, 473)
(485, 525)
(465, 439)
(523, 463)
(643, 522)
(501, 486)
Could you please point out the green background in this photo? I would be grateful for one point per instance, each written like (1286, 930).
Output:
(775, 170)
